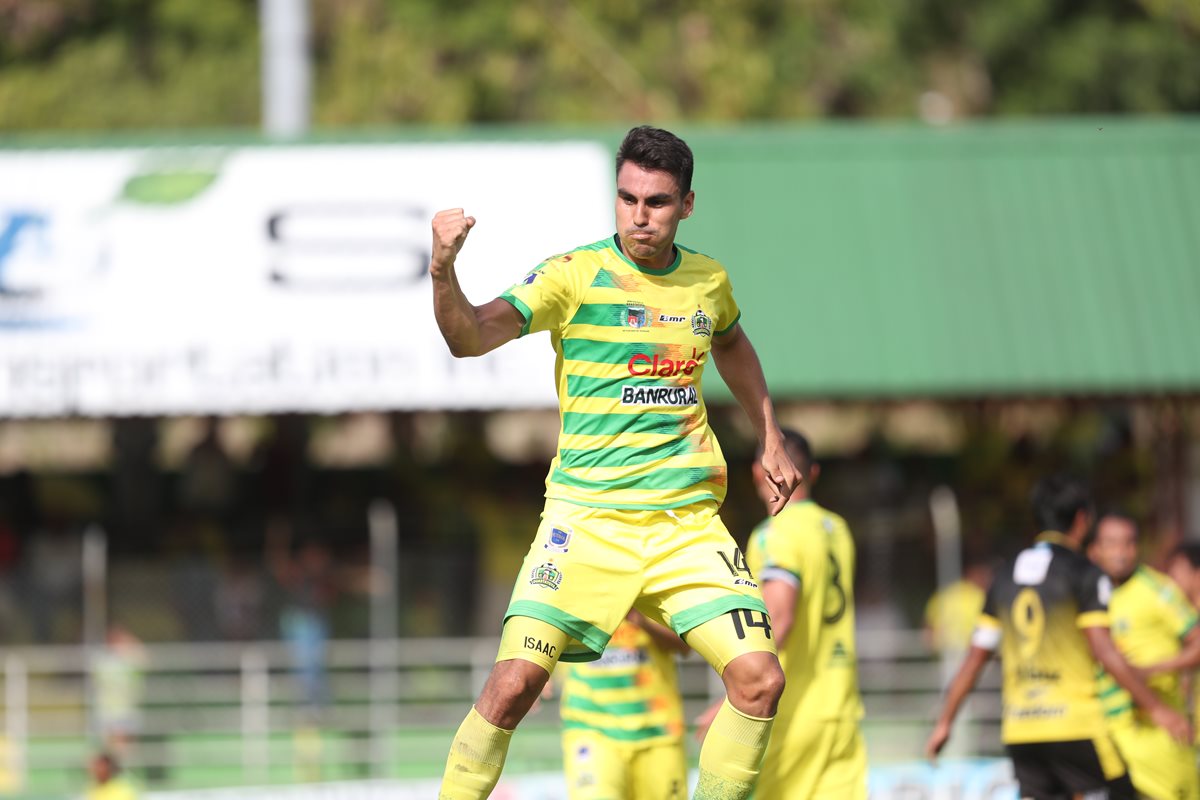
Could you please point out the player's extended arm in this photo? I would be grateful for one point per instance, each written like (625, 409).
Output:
(1188, 657)
(469, 330)
(739, 366)
(780, 597)
(961, 686)
(1106, 652)
(664, 637)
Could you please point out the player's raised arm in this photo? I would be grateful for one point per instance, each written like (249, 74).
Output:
(739, 365)
(469, 330)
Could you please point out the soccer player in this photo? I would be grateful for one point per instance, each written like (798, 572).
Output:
(631, 498)
(804, 558)
(1184, 568)
(1048, 610)
(1154, 627)
(623, 718)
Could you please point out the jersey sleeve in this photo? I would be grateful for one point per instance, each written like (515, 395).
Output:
(988, 630)
(547, 296)
(726, 310)
(1093, 590)
(791, 557)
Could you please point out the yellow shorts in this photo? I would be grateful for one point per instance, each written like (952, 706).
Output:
(1160, 767)
(814, 760)
(588, 566)
(600, 768)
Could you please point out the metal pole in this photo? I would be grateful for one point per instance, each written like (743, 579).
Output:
(385, 538)
(95, 588)
(16, 717)
(947, 529)
(286, 81)
(256, 722)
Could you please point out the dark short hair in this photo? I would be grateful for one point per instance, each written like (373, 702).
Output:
(1057, 499)
(655, 149)
(1190, 551)
(1111, 513)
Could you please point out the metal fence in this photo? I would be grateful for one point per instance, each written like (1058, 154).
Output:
(235, 714)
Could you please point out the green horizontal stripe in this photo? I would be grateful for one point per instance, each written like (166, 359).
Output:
(610, 315)
(617, 733)
(689, 618)
(1109, 692)
(575, 422)
(597, 352)
(584, 386)
(665, 478)
(617, 709)
(1116, 712)
(592, 637)
(605, 681)
(623, 456)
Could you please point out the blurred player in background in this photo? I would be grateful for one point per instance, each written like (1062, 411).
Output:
(805, 558)
(107, 783)
(1154, 627)
(1184, 568)
(952, 611)
(1048, 611)
(623, 718)
(632, 495)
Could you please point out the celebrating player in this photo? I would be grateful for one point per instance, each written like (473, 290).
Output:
(1154, 627)
(1048, 610)
(623, 718)
(804, 558)
(632, 495)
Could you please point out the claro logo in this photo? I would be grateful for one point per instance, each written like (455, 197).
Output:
(664, 366)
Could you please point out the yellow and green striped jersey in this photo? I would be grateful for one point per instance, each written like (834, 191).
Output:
(631, 695)
(631, 344)
(1150, 616)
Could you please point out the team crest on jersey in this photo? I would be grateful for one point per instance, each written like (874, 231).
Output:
(702, 324)
(559, 539)
(635, 315)
(547, 576)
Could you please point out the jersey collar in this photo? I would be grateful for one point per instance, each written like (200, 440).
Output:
(1054, 537)
(615, 244)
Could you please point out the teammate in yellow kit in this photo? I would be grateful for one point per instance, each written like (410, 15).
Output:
(804, 558)
(1154, 626)
(107, 783)
(623, 718)
(1047, 611)
(631, 498)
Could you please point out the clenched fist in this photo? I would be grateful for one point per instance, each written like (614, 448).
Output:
(450, 229)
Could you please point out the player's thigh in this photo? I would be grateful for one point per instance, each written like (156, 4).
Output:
(660, 772)
(581, 574)
(1159, 767)
(596, 767)
(845, 771)
(696, 573)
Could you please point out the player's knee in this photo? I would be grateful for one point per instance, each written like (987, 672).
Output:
(754, 683)
(510, 692)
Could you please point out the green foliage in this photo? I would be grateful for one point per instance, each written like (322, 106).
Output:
(109, 64)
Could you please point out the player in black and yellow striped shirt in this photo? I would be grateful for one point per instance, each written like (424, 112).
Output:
(1047, 614)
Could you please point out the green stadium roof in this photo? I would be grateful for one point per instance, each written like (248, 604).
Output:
(1028, 258)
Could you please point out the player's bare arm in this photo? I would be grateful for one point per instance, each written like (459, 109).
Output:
(739, 366)
(780, 597)
(1186, 660)
(663, 636)
(963, 683)
(1106, 652)
(469, 330)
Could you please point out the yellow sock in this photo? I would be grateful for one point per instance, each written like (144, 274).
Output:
(731, 755)
(476, 758)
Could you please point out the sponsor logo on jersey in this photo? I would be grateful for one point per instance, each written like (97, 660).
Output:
(547, 575)
(530, 278)
(702, 323)
(744, 582)
(671, 319)
(634, 395)
(635, 315)
(559, 539)
(642, 364)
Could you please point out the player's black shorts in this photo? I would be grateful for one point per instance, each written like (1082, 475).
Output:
(1089, 768)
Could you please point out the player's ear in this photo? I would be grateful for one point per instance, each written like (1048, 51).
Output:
(689, 204)
(814, 472)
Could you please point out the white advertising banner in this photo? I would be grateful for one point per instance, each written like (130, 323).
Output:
(260, 279)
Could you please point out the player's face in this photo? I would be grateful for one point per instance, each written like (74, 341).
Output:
(1181, 571)
(1115, 547)
(649, 208)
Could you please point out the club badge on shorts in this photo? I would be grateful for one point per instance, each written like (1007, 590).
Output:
(547, 576)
